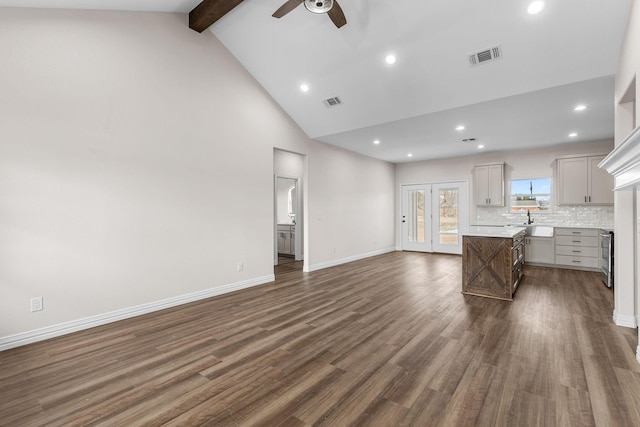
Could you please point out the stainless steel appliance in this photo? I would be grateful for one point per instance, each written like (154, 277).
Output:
(606, 248)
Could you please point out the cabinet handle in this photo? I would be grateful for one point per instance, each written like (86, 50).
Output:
(489, 200)
(585, 199)
(589, 199)
(577, 252)
(576, 261)
(576, 232)
(576, 241)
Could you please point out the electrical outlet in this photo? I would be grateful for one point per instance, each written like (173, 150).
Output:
(240, 266)
(36, 304)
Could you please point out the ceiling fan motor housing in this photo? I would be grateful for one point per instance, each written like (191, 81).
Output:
(318, 6)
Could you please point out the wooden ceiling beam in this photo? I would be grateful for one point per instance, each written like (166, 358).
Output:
(208, 12)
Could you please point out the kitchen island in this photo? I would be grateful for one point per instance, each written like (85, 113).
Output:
(492, 261)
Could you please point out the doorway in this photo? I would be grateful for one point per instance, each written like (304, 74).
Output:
(433, 217)
(288, 210)
(287, 203)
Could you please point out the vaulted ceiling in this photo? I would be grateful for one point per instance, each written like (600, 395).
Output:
(550, 62)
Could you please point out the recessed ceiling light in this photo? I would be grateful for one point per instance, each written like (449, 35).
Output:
(304, 87)
(580, 107)
(409, 155)
(573, 135)
(461, 127)
(480, 147)
(390, 59)
(535, 7)
(376, 142)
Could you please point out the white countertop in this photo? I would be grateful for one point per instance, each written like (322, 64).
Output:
(490, 231)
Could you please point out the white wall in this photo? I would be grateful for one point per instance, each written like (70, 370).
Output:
(627, 294)
(121, 134)
(522, 164)
(350, 207)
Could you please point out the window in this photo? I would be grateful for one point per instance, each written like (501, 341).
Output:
(533, 195)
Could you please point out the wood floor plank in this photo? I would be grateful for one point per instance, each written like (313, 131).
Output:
(573, 408)
(384, 341)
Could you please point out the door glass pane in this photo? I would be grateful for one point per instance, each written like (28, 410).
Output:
(448, 212)
(415, 220)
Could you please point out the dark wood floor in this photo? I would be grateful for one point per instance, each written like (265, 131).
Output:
(287, 264)
(387, 341)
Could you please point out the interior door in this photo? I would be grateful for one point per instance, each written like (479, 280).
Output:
(416, 218)
(450, 216)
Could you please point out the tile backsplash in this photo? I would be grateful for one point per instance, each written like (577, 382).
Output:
(569, 216)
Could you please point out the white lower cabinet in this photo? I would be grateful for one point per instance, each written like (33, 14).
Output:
(539, 250)
(577, 247)
(286, 239)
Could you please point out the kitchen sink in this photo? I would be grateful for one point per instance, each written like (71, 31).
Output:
(539, 231)
(536, 230)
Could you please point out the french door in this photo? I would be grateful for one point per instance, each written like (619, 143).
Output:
(434, 216)
(416, 206)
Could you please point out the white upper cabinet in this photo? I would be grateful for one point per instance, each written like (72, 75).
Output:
(581, 182)
(600, 183)
(489, 184)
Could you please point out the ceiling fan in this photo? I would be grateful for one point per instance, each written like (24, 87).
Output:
(330, 7)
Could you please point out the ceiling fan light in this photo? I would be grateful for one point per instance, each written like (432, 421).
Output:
(535, 7)
(318, 6)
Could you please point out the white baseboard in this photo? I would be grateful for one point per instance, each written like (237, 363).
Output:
(625, 320)
(125, 313)
(335, 262)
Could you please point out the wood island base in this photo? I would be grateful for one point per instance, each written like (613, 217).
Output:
(492, 266)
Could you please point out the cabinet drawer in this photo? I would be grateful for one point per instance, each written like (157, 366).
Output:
(518, 239)
(516, 275)
(576, 241)
(577, 251)
(593, 232)
(577, 261)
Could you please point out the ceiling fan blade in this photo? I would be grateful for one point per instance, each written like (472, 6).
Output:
(286, 8)
(337, 15)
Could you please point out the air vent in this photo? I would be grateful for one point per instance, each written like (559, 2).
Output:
(487, 55)
(332, 102)
(469, 140)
